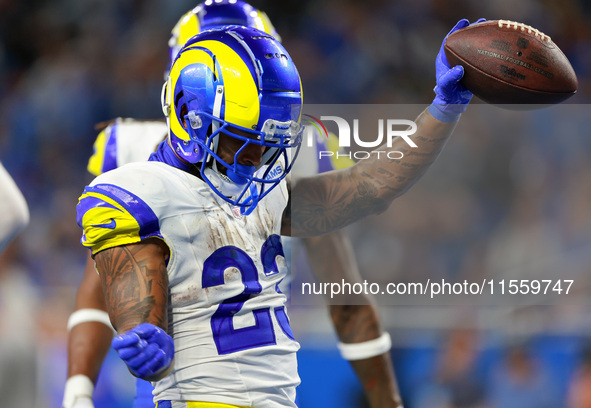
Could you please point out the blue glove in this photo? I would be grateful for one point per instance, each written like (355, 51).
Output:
(451, 98)
(146, 349)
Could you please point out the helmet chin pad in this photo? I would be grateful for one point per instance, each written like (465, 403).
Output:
(236, 176)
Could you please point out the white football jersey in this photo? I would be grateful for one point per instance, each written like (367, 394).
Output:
(125, 141)
(227, 316)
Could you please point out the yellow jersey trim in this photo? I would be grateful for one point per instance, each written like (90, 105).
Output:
(111, 216)
(95, 163)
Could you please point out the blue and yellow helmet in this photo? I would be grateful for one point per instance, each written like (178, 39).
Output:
(215, 14)
(235, 80)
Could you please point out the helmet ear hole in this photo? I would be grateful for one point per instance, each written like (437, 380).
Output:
(184, 112)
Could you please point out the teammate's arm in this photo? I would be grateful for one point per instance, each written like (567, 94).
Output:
(357, 325)
(89, 339)
(14, 212)
(135, 284)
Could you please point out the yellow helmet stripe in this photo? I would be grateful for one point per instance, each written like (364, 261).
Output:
(263, 23)
(188, 57)
(242, 105)
(241, 93)
(187, 27)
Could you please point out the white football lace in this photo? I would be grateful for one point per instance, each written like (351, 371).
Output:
(524, 27)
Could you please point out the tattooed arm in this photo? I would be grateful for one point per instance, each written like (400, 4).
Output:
(335, 199)
(135, 284)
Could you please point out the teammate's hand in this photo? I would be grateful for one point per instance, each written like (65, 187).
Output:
(451, 98)
(146, 349)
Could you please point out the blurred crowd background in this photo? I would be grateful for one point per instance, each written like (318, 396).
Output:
(510, 196)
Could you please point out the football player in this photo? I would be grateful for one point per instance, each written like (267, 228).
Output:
(14, 212)
(90, 332)
(120, 142)
(126, 141)
(186, 244)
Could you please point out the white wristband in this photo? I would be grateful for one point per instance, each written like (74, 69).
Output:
(367, 349)
(89, 315)
(77, 386)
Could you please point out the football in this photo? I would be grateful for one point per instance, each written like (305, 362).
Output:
(506, 62)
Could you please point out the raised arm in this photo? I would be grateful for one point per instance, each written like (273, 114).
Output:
(335, 199)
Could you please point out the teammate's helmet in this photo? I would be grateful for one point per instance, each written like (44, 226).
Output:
(235, 78)
(215, 14)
